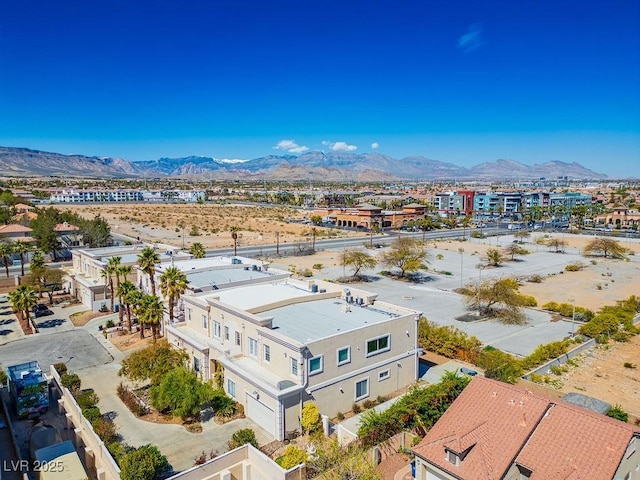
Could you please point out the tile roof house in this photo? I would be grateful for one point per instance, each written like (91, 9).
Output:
(498, 431)
(16, 232)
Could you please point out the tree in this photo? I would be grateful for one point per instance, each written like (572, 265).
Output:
(234, 234)
(358, 260)
(111, 269)
(606, 247)
(5, 253)
(494, 257)
(152, 363)
(45, 279)
(316, 219)
(242, 437)
(557, 244)
(23, 299)
(125, 293)
(37, 260)
(514, 249)
(406, 254)
(21, 248)
(96, 232)
(147, 260)
(499, 298)
(310, 418)
(173, 283)
(197, 250)
(121, 271)
(44, 230)
(145, 462)
(181, 393)
(150, 312)
(520, 235)
(333, 462)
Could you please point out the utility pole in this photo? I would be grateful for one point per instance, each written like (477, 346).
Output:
(277, 243)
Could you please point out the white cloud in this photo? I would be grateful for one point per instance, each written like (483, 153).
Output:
(341, 146)
(472, 38)
(375, 145)
(290, 146)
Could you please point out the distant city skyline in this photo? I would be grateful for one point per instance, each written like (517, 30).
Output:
(461, 82)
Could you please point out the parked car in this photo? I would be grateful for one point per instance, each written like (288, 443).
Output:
(41, 310)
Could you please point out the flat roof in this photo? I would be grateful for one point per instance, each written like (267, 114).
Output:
(253, 296)
(198, 263)
(313, 320)
(221, 277)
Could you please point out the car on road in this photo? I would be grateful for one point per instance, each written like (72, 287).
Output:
(41, 310)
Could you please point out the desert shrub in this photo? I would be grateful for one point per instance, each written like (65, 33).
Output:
(340, 416)
(105, 428)
(60, 367)
(355, 408)
(145, 462)
(448, 341)
(291, 457)
(181, 393)
(618, 413)
(87, 399)
(629, 365)
(242, 437)
(110, 323)
(574, 267)
(527, 300)
(500, 365)
(566, 310)
(317, 266)
(72, 382)
(535, 278)
(91, 413)
(305, 273)
(310, 420)
(367, 404)
(131, 400)
(381, 399)
(545, 352)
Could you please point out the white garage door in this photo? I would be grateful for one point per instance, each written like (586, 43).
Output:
(261, 414)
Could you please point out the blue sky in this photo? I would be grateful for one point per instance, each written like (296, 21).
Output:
(458, 81)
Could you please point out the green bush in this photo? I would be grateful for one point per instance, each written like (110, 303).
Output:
(91, 413)
(145, 463)
(448, 341)
(618, 413)
(71, 381)
(574, 267)
(181, 393)
(527, 300)
(500, 366)
(242, 437)
(60, 367)
(87, 399)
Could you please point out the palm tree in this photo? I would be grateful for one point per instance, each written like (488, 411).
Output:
(23, 299)
(121, 272)
(134, 299)
(173, 283)
(5, 252)
(150, 312)
(112, 269)
(147, 260)
(197, 250)
(21, 248)
(124, 292)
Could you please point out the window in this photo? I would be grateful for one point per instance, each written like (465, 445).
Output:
(216, 329)
(378, 345)
(226, 333)
(231, 388)
(452, 458)
(196, 364)
(188, 314)
(383, 375)
(204, 322)
(344, 355)
(238, 338)
(294, 367)
(267, 353)
(253, 347)
(315, 365)
(362, 389)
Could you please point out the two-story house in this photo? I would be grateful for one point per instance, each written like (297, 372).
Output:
(274, 346)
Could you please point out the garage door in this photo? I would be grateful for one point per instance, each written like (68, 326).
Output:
(261, 414)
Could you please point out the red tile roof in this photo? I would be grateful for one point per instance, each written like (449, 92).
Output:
(497, 425)
(14, 228)
(65, 227)
(495, 418)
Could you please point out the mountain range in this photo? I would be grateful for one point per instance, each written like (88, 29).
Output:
(332, 166)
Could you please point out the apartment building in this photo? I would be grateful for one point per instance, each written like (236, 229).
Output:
(86, 279)
(95, 195)
(274, 346)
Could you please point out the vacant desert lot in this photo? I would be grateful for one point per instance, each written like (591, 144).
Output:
(207, 224)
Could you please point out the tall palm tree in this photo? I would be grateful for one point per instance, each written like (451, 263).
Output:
(173, 283)
(124, 292)
(150, 312)
(23, 299)
(121, 273)
(134, 299)
(111, 269)
(5, 252)
(21, 248)
(197, 250)
(147, 260)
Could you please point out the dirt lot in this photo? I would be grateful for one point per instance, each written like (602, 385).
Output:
(212, 223)
(601, 374)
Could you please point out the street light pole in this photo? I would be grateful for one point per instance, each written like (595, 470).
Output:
(461, 250)
(573, 318)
